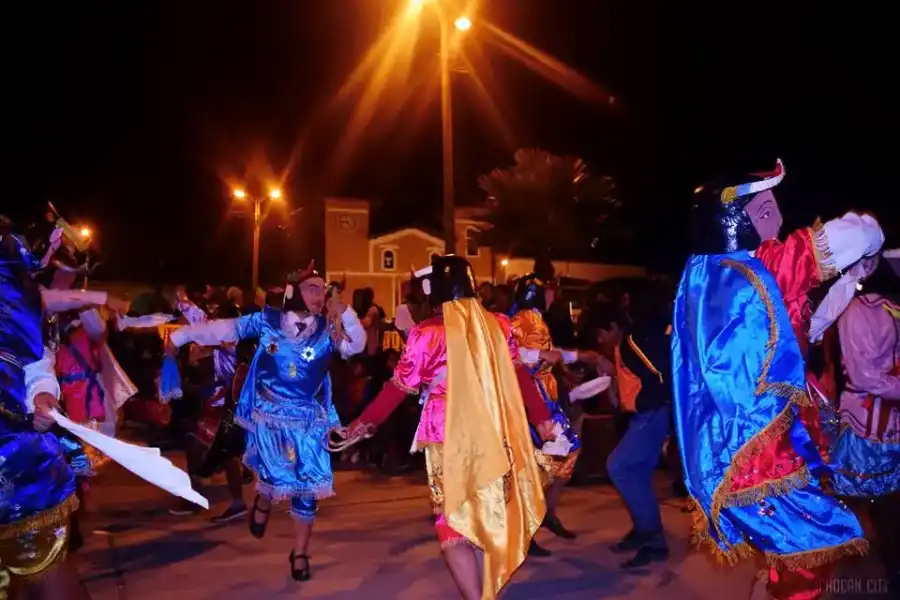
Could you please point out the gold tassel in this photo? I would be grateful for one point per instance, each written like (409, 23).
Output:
(817, 558)
(822, 251)
(53, 517)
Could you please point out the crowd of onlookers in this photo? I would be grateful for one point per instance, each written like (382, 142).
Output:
(608, 313)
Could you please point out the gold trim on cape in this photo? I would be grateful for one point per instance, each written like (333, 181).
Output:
(491, 480)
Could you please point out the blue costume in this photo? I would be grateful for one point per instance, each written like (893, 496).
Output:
(740, 393)
(736, 394)
(285, 404)
(37, 486)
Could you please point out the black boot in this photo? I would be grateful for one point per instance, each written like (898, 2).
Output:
(555, 525)
(76, 540)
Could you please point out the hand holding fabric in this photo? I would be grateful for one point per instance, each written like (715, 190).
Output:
(44, 405)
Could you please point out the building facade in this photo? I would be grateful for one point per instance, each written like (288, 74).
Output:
(384, 262)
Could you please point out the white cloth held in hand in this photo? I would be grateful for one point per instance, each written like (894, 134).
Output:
(559, 446)
(838, 299)
(146, 463)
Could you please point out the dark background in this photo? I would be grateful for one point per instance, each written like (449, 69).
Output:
(136, 117)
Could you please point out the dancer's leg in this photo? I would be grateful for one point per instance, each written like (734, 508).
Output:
(461, 560)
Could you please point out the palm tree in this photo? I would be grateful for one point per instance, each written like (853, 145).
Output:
(547, 206)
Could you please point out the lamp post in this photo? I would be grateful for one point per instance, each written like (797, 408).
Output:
(461, 24)
(257, 201)
(86, 233)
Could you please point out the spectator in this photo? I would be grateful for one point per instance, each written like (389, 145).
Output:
(502, 301)
(486, 294)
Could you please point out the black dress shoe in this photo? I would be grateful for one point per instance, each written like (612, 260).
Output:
(258, 530)
(645, 556)
(631, 542)
(556, 526)
(535, 550)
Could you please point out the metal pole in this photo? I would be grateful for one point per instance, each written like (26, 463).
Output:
(256, 223)
(447, 142)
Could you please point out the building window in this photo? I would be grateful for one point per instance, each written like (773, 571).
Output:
(472, 248)
(388, 260)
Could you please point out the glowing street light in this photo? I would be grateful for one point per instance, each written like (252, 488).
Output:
(85, 232)
(504, 262)
(274, 195)
(463, 24)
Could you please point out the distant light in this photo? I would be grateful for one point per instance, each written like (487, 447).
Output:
(463, 24)
(275, 194)
(504, 262)
(85, 232)
(698, 189)
(240, 194)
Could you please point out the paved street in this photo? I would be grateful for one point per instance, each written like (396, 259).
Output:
(373, 540)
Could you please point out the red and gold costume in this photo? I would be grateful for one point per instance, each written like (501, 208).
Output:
(485, 483)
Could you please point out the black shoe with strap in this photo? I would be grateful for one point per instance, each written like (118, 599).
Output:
(258, 530)
(304, 574)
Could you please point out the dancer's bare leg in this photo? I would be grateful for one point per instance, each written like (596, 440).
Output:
(462, 561)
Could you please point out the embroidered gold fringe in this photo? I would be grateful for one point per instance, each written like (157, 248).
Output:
(702, 540)
(819, 557)
(821, 249)
(52, 517)
(773, 487)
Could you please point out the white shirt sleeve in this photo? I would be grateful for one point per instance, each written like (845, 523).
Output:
(59, 301)
(403, 321)
(93, 323)
(355, 342)
(852, 237)
(40, 378)
(211, 333)
(569, 356)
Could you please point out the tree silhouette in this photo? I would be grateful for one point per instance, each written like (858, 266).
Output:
(548, 206)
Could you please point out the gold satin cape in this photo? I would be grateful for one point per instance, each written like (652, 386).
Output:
(492, 490)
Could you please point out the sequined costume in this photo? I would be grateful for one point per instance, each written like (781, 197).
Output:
(37, 486)
(532, 334)
(474, 435)
(750, 462)
(285, 405)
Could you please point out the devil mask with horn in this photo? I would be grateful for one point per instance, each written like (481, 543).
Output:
(736, 213)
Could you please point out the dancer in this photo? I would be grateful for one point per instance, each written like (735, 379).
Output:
(37, 486)
(748, 459)
(866, 456)
(285, 404)
(538, 355)
(217, 443)
(485, 482)
(644, 379)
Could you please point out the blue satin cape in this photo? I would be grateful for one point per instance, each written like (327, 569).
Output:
(737, 369)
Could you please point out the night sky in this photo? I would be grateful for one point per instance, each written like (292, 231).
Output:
(136, 116)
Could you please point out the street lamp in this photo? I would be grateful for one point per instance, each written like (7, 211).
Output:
(257, 201)
(85, 232)
(461, 24)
